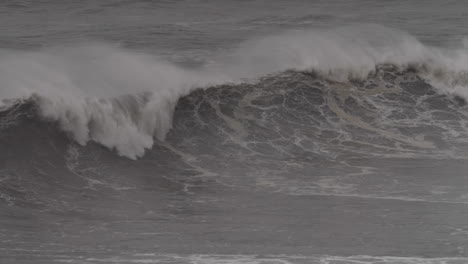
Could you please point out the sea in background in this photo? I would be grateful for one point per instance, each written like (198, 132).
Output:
(253, 131)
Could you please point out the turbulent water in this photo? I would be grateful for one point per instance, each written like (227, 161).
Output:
(287, 132)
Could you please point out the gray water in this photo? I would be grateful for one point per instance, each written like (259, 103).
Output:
(184, 28)
(303, 132)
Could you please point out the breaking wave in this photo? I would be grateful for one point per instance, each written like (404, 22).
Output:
(124, 99)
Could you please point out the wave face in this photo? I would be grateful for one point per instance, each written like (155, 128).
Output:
(290, 122)
(124, 99)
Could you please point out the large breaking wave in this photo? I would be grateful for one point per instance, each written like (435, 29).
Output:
(124, 99)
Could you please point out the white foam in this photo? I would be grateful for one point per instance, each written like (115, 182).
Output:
(84, 89)
(270, 259)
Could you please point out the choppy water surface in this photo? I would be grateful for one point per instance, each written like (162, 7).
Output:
(234, 132)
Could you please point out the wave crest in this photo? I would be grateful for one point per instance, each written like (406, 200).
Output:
(123, 99)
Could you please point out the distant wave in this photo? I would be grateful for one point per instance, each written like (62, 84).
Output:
(124, 99)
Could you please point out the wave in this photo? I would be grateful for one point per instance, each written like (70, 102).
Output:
(124, 99)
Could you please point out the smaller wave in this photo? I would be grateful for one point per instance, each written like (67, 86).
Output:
(123, 99)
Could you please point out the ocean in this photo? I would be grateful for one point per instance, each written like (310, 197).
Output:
(253, 131)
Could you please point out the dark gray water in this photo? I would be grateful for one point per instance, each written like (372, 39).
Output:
(233, 132)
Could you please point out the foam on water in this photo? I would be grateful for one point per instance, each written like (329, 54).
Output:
(270, 259)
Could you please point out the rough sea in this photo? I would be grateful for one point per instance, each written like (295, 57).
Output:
(225, 132)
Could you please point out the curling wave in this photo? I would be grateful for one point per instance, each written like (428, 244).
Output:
(123, 99)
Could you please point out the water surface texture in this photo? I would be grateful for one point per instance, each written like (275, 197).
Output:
(254, 131)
